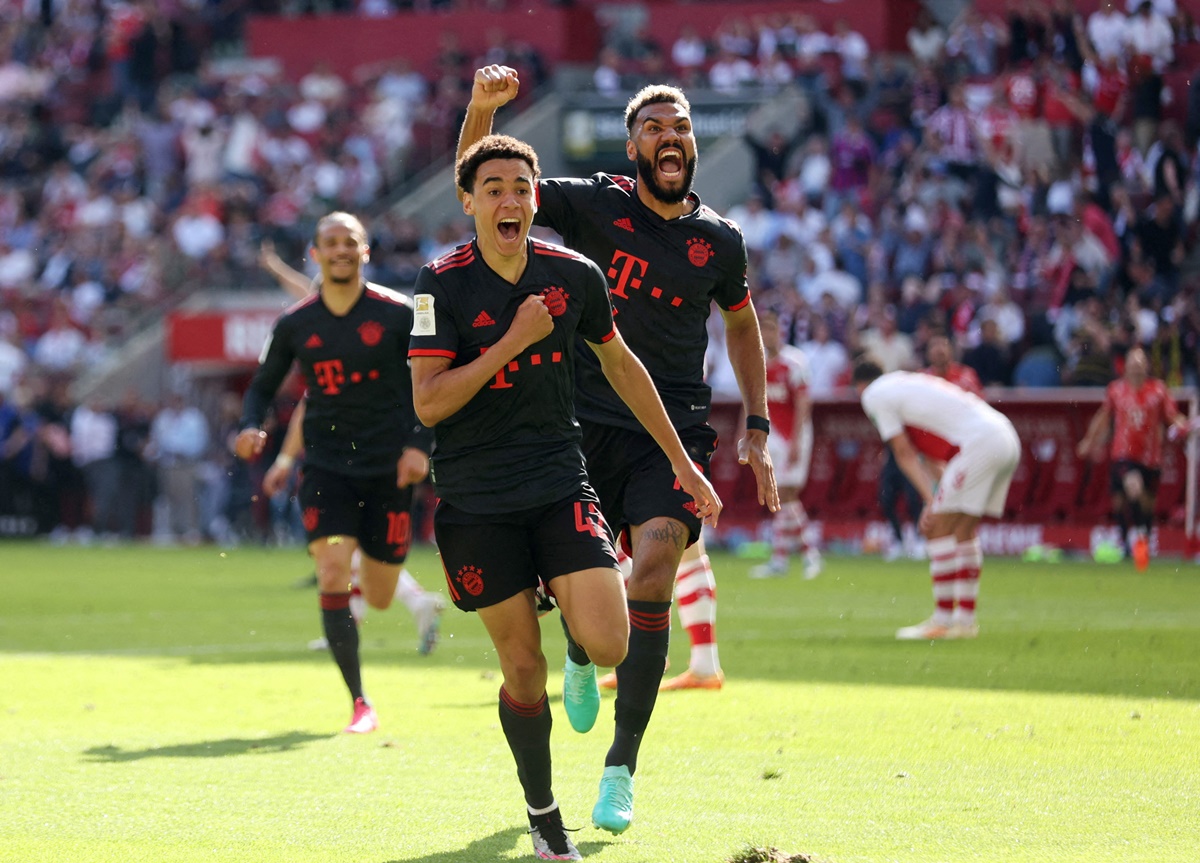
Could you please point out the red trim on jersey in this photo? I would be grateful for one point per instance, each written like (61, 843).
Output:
(932, 445)
(454, 594)
(431, 352)
(556, 251)
(741, 305)
(611, 335)
(386, 294)
(307, 301)
(458, 258)
(624, 182)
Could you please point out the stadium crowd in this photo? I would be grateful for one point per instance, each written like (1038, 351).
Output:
(1026, 185)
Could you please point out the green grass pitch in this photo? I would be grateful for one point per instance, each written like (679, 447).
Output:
(160, 705)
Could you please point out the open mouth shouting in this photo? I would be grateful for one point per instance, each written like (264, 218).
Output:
(671, 163)
(509, 229)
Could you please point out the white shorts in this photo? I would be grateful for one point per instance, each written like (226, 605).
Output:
(976, 480)
(791, 475)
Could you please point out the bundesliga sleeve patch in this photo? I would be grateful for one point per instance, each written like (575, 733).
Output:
(423, 320)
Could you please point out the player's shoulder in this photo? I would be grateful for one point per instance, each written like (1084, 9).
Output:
(545, 249)
(460, 256)
(613, 182)
(597, 184)
(300, 307)
(708, 216)
(793, 356)
(388, 295)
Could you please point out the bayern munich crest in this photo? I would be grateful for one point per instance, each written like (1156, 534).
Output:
(699, 251)
(471, 579)
(556, 300)
(371, 333)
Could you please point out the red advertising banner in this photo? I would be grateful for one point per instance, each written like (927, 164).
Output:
(229, 337)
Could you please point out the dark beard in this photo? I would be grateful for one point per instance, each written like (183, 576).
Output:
(646, 175)
(350, 280)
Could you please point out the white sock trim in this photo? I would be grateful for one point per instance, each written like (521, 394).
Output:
(546, 811)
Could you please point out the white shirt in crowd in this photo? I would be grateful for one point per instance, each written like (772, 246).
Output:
(1109, 33)
(826, 362)
(93, 435)
(12, 363)
(179, 434)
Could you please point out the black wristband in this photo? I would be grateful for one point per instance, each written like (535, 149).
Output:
(757, 423)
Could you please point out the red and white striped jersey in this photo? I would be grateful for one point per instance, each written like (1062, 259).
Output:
(787, 377)
(939, 417)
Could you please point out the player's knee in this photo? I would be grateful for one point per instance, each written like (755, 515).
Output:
(653, 580)
(333, 579)
(524, 673)
(608, 652)
(379, 601)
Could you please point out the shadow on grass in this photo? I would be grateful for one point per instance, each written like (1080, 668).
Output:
(206, 749)
(496, 848)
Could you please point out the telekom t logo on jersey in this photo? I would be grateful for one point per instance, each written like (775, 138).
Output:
(629, 271)
(330, 376)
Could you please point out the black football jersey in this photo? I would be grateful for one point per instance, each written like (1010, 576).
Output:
(360, 415)
(663, 275)
(515, 444)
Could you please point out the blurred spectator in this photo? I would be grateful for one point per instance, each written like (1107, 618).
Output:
(889, 347)
(62, 348)
(689, 53)
(179, 440)
(926, 39)
(990, 358)
(94, 451)
(731, 73)
(607, 76)
(12, 363)
(760, 226)
(854, 53)
(827, 360)
(1108, 31)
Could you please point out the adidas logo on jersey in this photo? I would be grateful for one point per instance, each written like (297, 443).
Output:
(483, 319)
(624, 225)
(314, 341)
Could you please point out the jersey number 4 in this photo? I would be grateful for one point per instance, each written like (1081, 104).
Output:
(592, 522)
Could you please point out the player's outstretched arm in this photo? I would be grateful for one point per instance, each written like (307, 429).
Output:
(493, 87)
(290, 279)
(440, 391)
(276, 477)
(910, 464)
(743, 342)
(632, 383)
(276, 362)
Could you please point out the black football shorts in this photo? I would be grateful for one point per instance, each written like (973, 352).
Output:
(634, 479)
(370, 509)
(491, 557)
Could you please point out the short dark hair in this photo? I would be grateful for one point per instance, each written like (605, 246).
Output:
(350, 220)
(653, 95)
(865, 371)
(492, 147)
